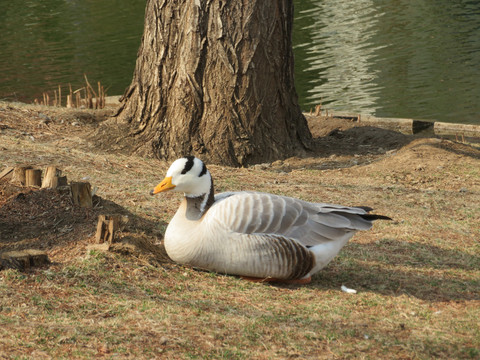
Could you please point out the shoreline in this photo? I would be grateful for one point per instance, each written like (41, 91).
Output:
(407, 126)
(410, 126)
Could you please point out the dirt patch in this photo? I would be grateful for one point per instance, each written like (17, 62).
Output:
(40, 218)
(47, 219)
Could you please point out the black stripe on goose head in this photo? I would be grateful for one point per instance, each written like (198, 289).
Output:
(188, 164)
(204, 170)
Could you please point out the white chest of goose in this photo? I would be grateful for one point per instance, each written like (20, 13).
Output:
(251, 234)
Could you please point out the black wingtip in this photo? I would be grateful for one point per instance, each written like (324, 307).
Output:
(366, 208)
(372, 217)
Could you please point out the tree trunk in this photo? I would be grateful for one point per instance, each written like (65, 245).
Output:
(215, 79)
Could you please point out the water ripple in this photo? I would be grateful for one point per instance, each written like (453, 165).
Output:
(400, 59)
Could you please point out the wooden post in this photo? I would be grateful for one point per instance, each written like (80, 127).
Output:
(77, 99)
(82, 194)
(69, 101)
(107, 226)
(89, 99)
(33, 177)
(70, 97)
(59, 95)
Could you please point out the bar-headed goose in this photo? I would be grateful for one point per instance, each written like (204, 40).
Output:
(252, 234)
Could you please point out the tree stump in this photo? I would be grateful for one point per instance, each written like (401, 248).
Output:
(53, 178)
(81, 194)
(18, 176)
(33, 177)
(24, 259)
(107, 226)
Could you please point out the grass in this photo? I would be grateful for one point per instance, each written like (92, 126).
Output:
(106, 305)
(418, 277)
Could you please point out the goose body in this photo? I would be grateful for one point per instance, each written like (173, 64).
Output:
(253, 234)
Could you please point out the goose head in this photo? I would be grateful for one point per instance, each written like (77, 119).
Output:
(188, 175)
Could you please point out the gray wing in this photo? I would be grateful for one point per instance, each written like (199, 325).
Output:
(308, 223)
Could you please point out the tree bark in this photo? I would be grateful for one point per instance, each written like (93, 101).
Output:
(215, 79)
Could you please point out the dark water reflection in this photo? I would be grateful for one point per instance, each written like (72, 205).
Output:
(403, 58)
(47, 43)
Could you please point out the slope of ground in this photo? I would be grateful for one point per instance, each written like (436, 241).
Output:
(417, 277)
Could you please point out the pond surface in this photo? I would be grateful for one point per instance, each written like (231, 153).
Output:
(403, 58)
(54, 42)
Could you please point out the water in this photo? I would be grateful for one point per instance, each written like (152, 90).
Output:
(49, 43)
(404, 58)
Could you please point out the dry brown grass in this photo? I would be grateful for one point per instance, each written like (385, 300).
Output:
(418, 277)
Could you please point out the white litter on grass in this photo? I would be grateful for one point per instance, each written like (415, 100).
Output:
(347, 290)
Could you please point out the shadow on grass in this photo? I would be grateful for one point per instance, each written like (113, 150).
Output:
(391, 267)
(361, 141)
(459, 149)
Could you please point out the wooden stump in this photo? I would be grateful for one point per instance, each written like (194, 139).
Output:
(18, 176)
(82, 194)
(107, 226)
(24, 259)
(53, 178)
(33, 177)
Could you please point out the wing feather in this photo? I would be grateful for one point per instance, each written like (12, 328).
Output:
(331, 220)
(307, 223)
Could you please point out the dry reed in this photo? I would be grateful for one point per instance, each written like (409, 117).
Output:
(84, 97)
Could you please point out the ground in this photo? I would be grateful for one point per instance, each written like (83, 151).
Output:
(417, 277)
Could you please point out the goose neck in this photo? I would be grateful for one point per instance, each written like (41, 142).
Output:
(197, 206)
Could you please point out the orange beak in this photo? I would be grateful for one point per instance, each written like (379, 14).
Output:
(165, 185)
